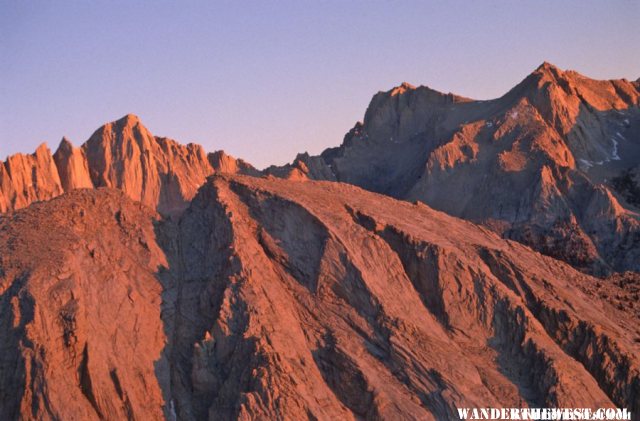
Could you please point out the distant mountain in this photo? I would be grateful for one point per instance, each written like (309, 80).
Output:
(276, 299)
(537, 165)
(156, 171)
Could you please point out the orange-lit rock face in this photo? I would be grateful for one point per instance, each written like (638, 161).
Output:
(80, 310)
(159, 172)
(226, 164)
(72, 167)
(28, 178)
(273, 298)
(266, 298)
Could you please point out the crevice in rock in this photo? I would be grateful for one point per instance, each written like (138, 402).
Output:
(599, 355)
(116, 382)
(345, 379)
(128, 410)
(419, 260)
(508, 275)
(85, 381)
(519, 358)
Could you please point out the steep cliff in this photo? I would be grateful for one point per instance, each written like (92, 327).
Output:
(123, 154)
(72, 166)
(28, 178)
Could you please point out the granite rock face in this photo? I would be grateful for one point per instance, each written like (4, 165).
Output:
(156, 171)
(72, 166)
(281, 299)
(28, 178)
(534, 165)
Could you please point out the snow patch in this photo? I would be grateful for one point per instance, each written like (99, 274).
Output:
(172, 411)
(586, 163)
(514, 115)
(489, 124)
(614, 151)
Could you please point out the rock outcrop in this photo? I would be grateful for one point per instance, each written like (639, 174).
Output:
(224, 163)
(155, 171)
(281, 299)
(73, 167)
(28, 178)
(535, 165)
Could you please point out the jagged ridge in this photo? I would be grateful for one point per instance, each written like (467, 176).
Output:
(157, 171)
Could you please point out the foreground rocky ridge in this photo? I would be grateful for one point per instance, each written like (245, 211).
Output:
(535, 165)
(271, 298)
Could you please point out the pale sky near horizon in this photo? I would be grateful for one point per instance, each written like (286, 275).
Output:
(266, 80)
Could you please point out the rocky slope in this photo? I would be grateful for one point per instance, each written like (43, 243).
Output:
(536, 165)
(281, 299)
(80, 326)
(156, 171)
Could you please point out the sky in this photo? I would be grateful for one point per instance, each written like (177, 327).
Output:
(265, 80)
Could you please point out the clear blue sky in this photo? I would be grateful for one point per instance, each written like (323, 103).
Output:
(265, 80)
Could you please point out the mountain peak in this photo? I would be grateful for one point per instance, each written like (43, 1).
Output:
(42, 149)
(549, 70)
(547, 66)
(128, 120)
(545, 72)
(115, 130)
(65, 143)
(404, 87)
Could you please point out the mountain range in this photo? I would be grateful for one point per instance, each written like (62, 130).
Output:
(449, 253)
(552, 164)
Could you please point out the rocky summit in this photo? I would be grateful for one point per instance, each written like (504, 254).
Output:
(538, 165)
(451, 253)
(156, 171)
